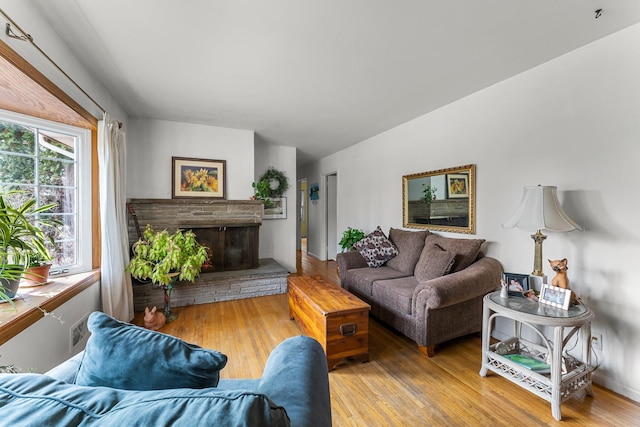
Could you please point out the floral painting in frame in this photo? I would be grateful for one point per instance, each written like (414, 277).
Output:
(200, 178)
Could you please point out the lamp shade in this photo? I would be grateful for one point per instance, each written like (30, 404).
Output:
(540, 209)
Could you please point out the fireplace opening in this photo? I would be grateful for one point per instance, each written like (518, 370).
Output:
(229, 248)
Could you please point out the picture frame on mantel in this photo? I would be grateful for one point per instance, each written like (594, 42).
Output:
(277, 209)
(198, 178)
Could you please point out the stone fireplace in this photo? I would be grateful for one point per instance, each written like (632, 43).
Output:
(230, 229)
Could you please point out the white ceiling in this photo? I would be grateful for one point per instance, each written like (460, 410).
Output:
(319, 75)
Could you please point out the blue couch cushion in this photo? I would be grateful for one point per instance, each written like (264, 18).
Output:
(128, 357)
(36, 399)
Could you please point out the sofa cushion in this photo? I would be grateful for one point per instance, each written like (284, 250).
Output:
(466, 250)
(35, 399)
(409, 244)
(396, 294)
(434, 262)
(359, 280)
(375, 248)
(129, 357)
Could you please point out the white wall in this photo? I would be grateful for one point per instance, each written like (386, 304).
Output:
(46, 343)
(278, 236)
(152, 143)
(572, 122)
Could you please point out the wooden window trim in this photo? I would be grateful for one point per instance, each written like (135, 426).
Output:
(28, 308)
(64, 110)
(61, 108)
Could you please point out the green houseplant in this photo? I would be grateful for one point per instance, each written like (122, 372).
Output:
(166, 258)
(350, 237)
(428, 193)
(261, 192)
(21, 236)
(272, 184)
(38, 266)
(428, 196)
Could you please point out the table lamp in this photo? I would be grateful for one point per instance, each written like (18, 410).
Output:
(540, 209)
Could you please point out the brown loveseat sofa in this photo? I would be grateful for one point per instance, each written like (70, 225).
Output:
(431, 291)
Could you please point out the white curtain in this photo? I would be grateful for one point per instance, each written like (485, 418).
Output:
(117, 294)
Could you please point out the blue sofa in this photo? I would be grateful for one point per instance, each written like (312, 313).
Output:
(294, 390)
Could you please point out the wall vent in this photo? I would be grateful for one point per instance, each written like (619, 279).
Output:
(78, 335)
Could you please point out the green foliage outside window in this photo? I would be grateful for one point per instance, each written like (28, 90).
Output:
(48, 163)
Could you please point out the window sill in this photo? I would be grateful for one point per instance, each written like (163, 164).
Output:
(47, 297)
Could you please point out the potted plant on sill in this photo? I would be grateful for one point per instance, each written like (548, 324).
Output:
(20, 235)
(38, 266)
(166, 258)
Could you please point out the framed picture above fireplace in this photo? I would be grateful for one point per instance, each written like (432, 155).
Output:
(202, 178)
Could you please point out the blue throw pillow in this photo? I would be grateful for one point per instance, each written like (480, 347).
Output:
(128, 357)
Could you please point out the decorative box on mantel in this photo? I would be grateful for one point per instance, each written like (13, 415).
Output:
(229, 228)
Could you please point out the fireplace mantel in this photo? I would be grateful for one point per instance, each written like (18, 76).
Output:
(194, 213)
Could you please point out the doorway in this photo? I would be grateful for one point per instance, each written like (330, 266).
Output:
(302, 213)
(331, 185)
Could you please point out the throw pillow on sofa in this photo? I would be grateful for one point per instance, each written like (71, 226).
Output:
(466, 250)
(124, 356)
(410, 245)
(375, 248)
(434, 262)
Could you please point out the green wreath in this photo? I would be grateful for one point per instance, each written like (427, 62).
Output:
(273, 174)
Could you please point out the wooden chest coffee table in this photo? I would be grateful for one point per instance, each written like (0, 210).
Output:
(331, 315)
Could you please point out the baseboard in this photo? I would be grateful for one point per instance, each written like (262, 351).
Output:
(600, 378)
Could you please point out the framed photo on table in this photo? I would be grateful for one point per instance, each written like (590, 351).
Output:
(517, 284)
(555, 296)
(199, 178)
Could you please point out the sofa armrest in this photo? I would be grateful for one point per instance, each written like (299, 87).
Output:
(296, 377)
(348, 260)
(480, 278)
(67, 370)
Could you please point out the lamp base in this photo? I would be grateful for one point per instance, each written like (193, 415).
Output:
(538, 238)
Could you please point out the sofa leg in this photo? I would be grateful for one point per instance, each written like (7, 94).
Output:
(429, 351)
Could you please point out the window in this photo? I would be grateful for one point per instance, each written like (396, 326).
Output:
(52, 163)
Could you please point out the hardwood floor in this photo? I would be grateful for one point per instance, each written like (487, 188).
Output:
(399, 386)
